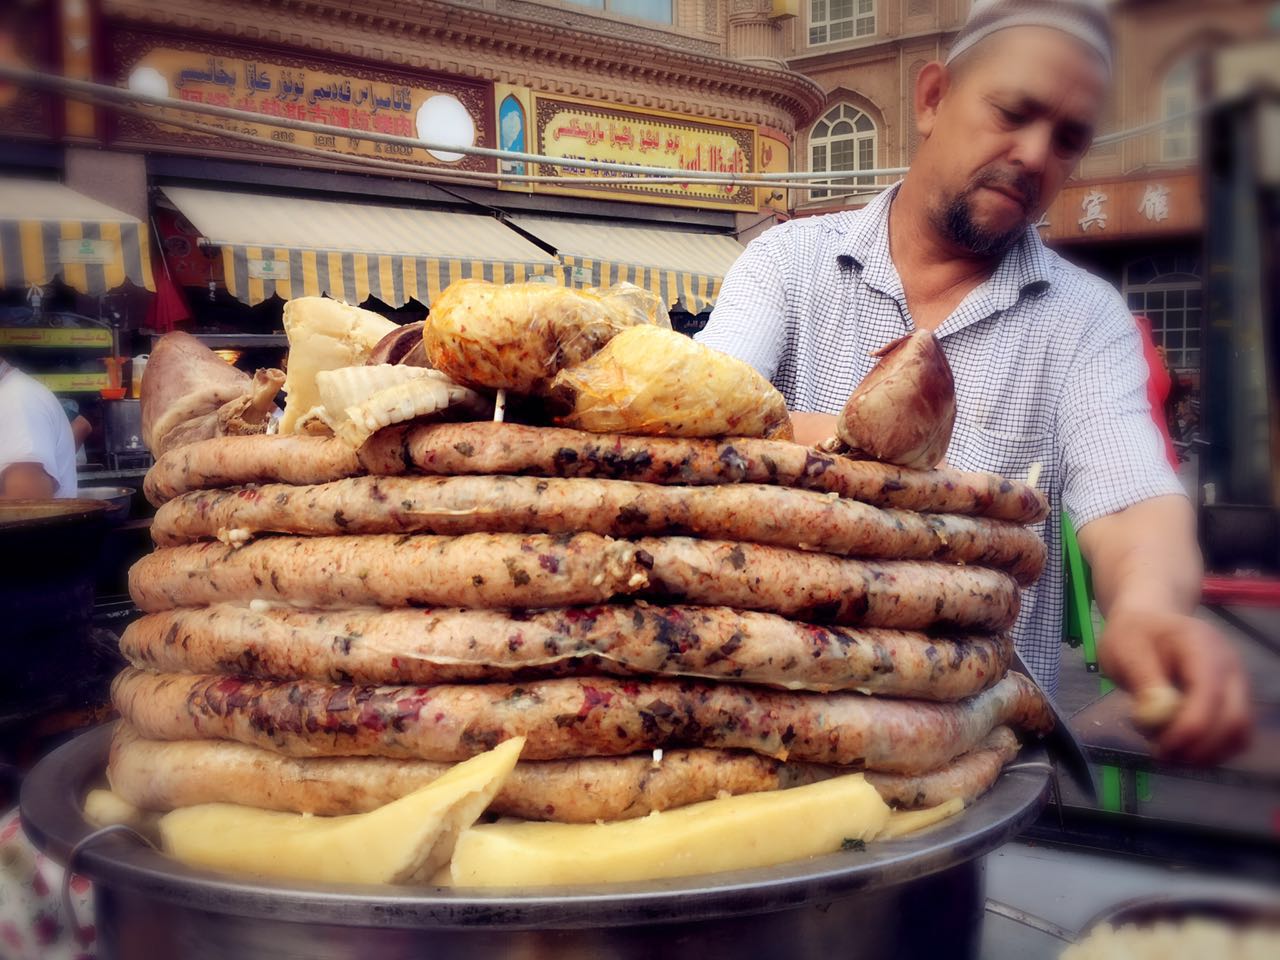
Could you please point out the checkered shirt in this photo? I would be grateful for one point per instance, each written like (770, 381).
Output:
(1047, 363)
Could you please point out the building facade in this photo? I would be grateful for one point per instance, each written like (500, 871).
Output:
(675, 84)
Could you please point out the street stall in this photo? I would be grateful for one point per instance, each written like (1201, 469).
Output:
(59, 247)
(528, 629)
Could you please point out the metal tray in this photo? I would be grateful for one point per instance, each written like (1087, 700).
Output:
(869, 885)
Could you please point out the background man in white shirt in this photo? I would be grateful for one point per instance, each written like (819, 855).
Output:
(37, 448)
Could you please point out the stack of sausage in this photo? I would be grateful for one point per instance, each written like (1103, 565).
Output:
(664, 619)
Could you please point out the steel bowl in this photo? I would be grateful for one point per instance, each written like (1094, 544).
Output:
(918, 896)
(1239, 908)
(119, 500)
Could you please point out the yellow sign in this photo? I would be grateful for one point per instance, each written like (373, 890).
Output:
(575, 129)
(81, 337)
(447, 112)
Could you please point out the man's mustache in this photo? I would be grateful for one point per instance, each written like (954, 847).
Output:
(1022, 184)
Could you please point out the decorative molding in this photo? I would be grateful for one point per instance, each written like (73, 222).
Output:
(451, 38)
(587, 22)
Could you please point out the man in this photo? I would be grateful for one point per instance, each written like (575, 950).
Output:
(1047, 360)
(37, 448)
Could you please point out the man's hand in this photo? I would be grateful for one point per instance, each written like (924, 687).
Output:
(1149, 649)
(1146, 572)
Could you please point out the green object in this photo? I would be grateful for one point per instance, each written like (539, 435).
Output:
(1081, 630)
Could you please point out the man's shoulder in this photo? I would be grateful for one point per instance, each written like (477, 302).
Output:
(810, 230)
(24, 390)
(1071, 279)
(1080, 294)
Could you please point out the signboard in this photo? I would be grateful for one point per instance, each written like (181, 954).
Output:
(269, 269)
(514, 108)
(1123, 209)
(87, 338)
(580, 129)
(354, 98)
(774, 150)
(74, 382)
(87, 251)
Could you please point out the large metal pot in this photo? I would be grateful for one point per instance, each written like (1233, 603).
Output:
(48, 560)
(921, 896)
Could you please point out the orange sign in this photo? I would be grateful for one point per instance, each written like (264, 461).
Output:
(1128, 208)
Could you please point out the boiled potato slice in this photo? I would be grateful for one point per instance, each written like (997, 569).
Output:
(903, 822)
(405, 841)
(103, 808)
(732, 833)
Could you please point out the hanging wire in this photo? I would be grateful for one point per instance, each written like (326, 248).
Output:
(629, 175)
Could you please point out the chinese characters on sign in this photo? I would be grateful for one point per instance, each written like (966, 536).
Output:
(356, 102)
(1123, 208)
(1093, 212)
(1155, 202)
(572, 129)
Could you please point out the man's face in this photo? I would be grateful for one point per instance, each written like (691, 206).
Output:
(1017, 117)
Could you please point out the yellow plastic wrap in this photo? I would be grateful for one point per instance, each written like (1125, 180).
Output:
(659, 383)
(517, 336)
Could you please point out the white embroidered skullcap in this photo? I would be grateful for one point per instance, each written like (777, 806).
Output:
(1086, 20)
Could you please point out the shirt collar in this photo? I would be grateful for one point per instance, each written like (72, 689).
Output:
(1023, 271)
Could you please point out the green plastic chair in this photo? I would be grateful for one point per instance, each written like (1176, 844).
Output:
(1081, 629)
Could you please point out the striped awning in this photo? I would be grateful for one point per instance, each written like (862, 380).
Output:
(49, 230)
(679, 265)
(290, 247)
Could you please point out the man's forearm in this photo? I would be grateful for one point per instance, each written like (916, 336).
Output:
(1145, 557)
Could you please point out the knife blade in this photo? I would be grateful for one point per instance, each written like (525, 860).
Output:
(1062, 743)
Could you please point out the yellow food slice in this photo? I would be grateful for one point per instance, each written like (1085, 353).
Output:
(323, 335)
(732, 833)
(104, 808)
(903, 822)
(403, 842)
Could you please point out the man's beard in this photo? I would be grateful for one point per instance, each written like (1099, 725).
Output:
(955, 220)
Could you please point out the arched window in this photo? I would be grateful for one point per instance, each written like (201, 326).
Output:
(1179, 94)
(1167, 291)
(843, 140)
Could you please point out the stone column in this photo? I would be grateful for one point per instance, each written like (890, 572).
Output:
(755, 33)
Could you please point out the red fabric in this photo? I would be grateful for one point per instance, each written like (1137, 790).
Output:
(1241, 591)
(1159, 383)
(168, 308)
